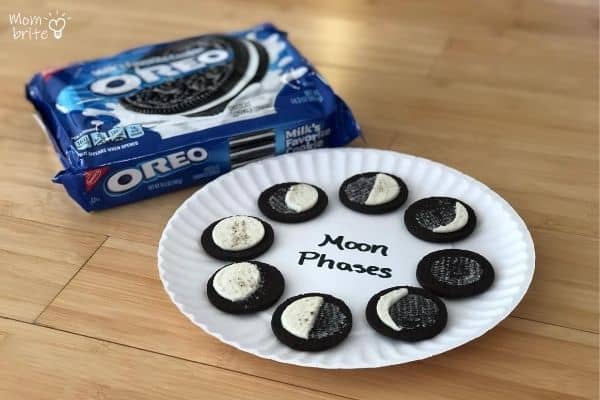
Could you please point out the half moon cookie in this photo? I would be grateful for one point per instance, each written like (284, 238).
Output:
(455, 273)
(440, 219)
(312, 322)
(245, 287)
(237, 238)
(292, 202)
(373, 192)
(406, 313)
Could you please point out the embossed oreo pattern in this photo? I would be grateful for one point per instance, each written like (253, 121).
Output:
(453, 273)
(442, 214)
(456, 271)
(358, 190)
(414, 311)
(277, 201)
(330, 321)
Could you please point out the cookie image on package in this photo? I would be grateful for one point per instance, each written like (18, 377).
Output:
(312, 322)
(237, 238)
(373, 192)
(406, 313)
(245, 287)
(440, 219)
(234, 64)
(292, 202)
(455, 273)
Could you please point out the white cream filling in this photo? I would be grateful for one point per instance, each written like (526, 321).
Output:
(299, 317)
(301, 197)
(237, 281)
(385, 189)
(460, 219)
(385, 302)
(238, 233)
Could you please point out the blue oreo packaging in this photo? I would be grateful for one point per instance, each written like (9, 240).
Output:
(159, 118)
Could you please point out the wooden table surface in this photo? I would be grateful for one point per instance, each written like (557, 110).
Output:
(504, 90)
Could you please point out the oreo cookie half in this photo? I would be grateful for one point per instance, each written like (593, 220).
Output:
(237, 238)
(455, 273)
(440, 219)
(373, 192)
(292, 202)
(406, 313)
(231, 65)
(312, 322)
(245, 287)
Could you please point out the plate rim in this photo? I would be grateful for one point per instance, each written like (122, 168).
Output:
(515, 216)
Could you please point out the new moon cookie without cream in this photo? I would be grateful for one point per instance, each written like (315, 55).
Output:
(245, 287)
(373, 192)
(312, 322)
(237, 238)
(455, 273)
(292, 202)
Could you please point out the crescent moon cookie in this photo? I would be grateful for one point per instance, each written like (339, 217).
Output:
(406, 313)
(237, 238)
(373, 192)
(455, 273)
(440, 219)
(292, 202)
(312, 322)
(245, 287)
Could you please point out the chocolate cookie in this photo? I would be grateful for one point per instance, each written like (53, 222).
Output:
(455, 273)
(232, 65)
(245, 287)
(292, 202)
(373, 192)
(440, 219)
(312, 322)
(237, 238)
(406, 313)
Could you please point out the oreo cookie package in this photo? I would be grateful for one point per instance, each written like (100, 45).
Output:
(159, 118)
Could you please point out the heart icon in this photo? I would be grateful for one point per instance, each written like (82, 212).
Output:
(56, 25)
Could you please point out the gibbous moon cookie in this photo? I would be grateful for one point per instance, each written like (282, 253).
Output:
(312, 322)
(455, 273)
(292, 202)
(237, 238)
(406, 313)
(245, 287)
(373, 192)
(440, 219)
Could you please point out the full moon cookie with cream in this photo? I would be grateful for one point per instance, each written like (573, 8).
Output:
(292, 202)
(440, 219)
(245, 287)
(237, 238)
(312, 322)
(406, 313)
(373, 192)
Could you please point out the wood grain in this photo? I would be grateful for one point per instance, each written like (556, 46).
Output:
(118, 297)
(37, 261)
(504, 90)
(101, 370)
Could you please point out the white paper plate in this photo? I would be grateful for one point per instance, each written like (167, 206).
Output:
(501, 236)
